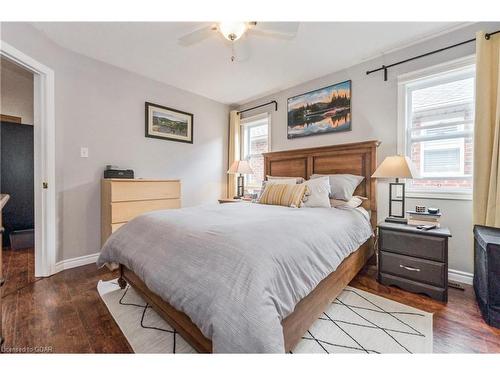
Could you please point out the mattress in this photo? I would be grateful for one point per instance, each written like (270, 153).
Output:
(237, 270)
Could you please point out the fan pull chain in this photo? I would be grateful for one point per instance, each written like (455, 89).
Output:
(233, 55)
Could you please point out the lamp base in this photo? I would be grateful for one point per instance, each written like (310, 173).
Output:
(396, 220)
(241, 186)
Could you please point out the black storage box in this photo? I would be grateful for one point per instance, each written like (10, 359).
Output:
(22, 239)
(118, 173)
(487, 272)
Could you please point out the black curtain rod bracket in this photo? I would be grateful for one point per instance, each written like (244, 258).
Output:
(487, 36)
(259, 106)
(385, 67)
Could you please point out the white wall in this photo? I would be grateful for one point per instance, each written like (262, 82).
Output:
(102, 107)
(16, 91)
(374, 116)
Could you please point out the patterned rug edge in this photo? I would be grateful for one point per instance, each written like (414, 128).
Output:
(168, 341)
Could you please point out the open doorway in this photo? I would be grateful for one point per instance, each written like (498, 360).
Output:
(45, 216)
(17, 174)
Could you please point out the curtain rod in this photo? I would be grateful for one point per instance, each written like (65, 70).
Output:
(385, 67)
(262, 105)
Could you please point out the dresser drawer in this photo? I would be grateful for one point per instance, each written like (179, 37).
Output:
(144, 190)
(125, 211)
(423, 270)
(418, 245)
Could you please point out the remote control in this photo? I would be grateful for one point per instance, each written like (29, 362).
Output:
(426, 227)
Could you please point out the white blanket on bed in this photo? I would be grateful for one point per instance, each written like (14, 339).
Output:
(237, 270)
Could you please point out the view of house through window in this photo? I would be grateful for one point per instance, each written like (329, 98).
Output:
(254, 142)
(439, 124)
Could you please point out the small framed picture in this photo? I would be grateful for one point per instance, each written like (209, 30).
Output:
(168, 123)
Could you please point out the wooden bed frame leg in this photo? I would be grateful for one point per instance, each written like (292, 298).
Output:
(121, 281)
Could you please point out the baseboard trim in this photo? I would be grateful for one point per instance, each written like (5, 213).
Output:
(76, 262)
(460, 276)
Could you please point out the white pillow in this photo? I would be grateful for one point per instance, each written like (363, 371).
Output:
(282, 181)
(342, 185)
(354, 202)
(298, 180)
(317, 194)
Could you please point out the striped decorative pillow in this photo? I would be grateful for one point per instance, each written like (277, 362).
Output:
(283, 195)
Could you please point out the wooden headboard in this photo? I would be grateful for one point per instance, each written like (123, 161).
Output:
(351, 158)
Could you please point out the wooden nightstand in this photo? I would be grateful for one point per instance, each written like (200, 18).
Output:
(414, 259)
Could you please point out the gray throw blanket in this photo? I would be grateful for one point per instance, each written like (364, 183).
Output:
(237, 270)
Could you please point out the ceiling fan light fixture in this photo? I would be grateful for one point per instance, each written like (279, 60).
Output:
(232, 31)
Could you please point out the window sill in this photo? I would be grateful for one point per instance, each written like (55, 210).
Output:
(439, 195)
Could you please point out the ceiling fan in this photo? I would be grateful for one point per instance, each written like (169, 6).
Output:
(233, 31)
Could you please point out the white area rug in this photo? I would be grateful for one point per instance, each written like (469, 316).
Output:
(356, 322)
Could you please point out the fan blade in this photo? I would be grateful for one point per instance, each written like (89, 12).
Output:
(197, 36)
(283, 30)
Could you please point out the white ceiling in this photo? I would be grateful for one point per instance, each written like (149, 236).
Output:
(152, 50)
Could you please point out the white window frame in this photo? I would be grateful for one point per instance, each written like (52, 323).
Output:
(243, 123)
(403, 117)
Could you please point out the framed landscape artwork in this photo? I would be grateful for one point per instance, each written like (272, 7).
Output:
(167, 123)
(322, 111)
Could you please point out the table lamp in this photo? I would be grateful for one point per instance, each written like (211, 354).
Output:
(242, 167)
(397, 167)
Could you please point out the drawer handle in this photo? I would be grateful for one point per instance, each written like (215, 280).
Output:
(409, 268)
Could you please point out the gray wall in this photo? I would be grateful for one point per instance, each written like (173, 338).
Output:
(102, 107)
(16, 90)
(374, 116)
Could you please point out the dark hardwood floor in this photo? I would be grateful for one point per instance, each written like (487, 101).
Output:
(18, 268)
(458, 325)
(64, 314)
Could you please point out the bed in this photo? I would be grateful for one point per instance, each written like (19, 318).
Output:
(225, 289)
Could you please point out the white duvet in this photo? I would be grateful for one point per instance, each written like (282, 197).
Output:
(237, 270)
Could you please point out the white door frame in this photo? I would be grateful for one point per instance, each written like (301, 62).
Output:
(44, 158)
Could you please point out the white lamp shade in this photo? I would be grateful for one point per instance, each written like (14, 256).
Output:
(397, 166)
(240, 166)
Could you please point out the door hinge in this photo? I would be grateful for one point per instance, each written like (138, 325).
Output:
(45, 185)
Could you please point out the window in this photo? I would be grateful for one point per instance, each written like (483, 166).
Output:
(436, 127)
(254, 142)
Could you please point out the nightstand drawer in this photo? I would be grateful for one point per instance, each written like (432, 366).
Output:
(416, 245)
(414, 286)
(423, 270)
